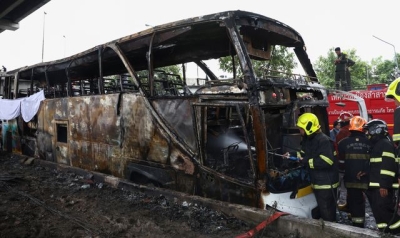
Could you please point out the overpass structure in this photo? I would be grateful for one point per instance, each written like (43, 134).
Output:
(13, 11)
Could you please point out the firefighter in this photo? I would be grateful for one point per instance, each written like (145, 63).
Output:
(393, 94)
(317, 156)
(355, 152)
(383, 177)
(344, 120)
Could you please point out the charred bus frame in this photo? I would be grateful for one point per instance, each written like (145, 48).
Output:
(117, 110)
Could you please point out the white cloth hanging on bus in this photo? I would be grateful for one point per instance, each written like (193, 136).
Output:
(28, 107)
(10, 109)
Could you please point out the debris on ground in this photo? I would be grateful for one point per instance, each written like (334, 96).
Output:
(38, 201)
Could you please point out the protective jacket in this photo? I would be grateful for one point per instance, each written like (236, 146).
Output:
(343, 133)
(343, 63)
(396, 135)
(383, 174)
(317, 153)
(396, 126)
(383, 165)
(354, 151)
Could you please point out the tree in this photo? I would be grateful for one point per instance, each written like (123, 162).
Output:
(383, 70)
(325, 69)
(281, 61)
(173, 69)
(362, 73)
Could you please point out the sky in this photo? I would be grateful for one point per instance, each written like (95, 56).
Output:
(73, 26)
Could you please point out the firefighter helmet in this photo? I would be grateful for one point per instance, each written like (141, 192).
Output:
(345, 116)
(357, 123)
(376, 127)
(308, 122)
(393, 91)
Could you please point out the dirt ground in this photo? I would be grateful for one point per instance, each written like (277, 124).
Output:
(37, 201)
(40, 202)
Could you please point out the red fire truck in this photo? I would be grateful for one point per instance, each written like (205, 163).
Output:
(374, 98)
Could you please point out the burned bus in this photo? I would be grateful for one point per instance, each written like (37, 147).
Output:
(119, 109)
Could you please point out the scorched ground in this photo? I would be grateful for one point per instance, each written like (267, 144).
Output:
(37, 201)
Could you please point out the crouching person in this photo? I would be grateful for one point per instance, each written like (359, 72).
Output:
(383, 177)
(354, 151)
(317, 156)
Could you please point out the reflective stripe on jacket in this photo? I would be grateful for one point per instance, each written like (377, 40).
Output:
(318, 158)
(383, 165)
(354, 151)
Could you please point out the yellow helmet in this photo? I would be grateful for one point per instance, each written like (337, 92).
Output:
(393, 91)
(309, 123)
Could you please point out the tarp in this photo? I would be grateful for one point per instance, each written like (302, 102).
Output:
(28, 107)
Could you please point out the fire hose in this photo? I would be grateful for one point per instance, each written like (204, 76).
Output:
(262, 225)
(285, 156)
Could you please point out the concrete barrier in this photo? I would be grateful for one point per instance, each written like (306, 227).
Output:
(289, 224)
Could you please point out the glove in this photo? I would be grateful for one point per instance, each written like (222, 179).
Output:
(294, 158)
(360, 174)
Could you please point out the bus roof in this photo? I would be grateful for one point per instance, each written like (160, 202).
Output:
(176, 37)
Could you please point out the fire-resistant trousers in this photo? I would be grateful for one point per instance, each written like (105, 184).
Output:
(326, 199)
(343, 80)
(383, 209)
(356, 206)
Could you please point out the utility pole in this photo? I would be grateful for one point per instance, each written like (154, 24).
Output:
(394, 48)
(65, 44)
(44, 20)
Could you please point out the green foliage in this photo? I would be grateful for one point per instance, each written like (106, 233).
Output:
(383, 70)
(226, 64)
(281, 61)
(173, 69)
(362, 73)
(158, 87)
(325, 69)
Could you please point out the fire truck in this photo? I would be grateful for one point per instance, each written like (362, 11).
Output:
(373, 98)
